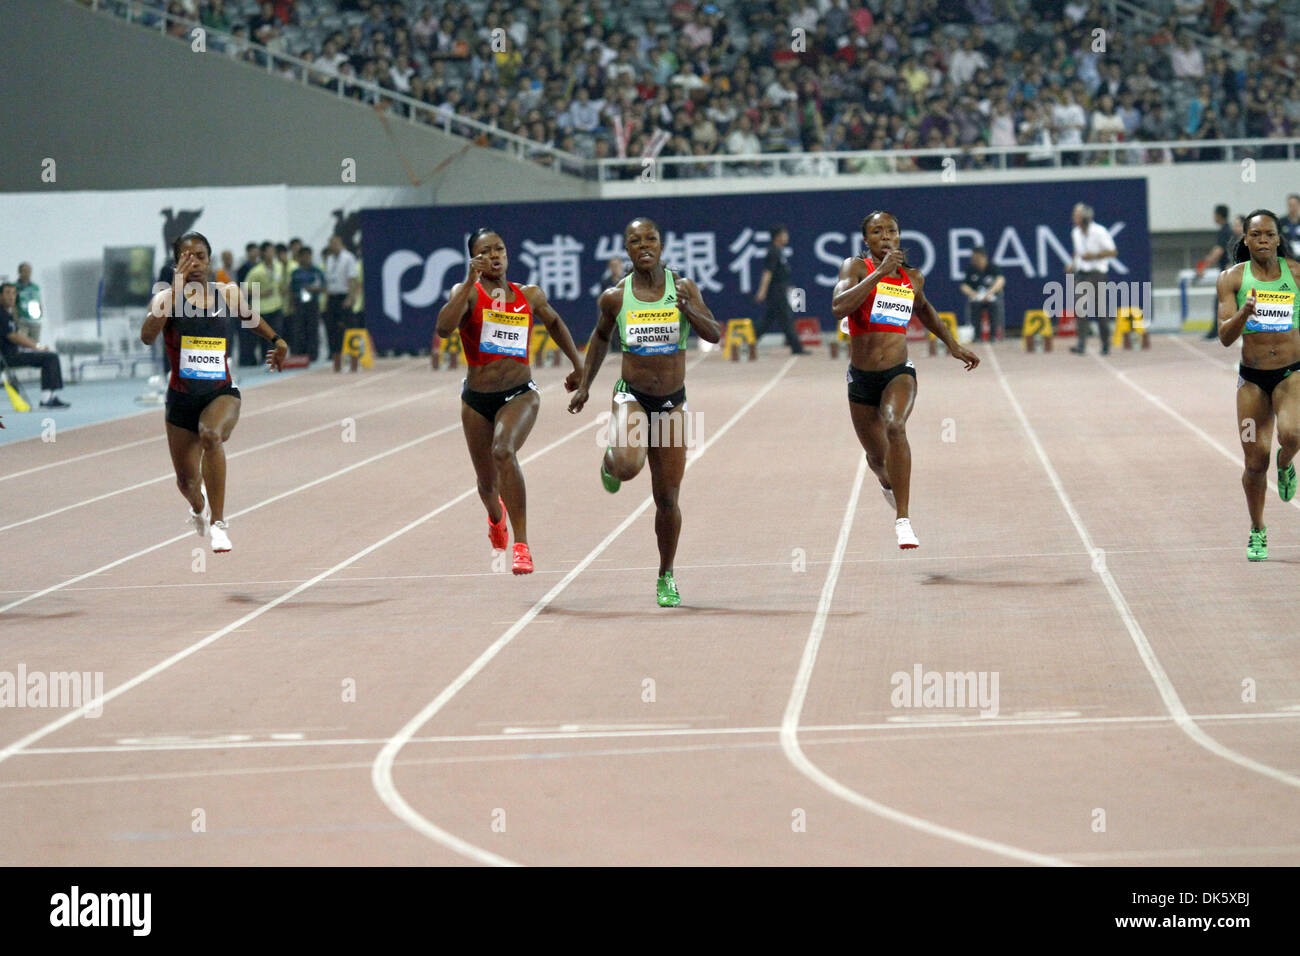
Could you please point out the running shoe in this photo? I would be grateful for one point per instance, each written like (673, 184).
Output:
(499, 533)
(523, 560)
(220, 540)
(1257, 550)
(906, 536)
(200, 520)
(666, 589)
(1285, 479)
(611, 483)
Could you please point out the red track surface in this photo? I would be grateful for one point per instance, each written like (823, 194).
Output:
(533, 687)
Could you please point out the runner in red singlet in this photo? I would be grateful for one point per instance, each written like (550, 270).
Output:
(202, 400)
(879, 294)
(500, 399)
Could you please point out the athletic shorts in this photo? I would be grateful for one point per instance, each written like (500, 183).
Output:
(184, 409)
(623, 392)
(488, 404)
(1267, 379)
(866, 388)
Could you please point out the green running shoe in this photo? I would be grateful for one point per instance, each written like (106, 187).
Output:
(611, 483)
(1285, 479)
(667, 590)
(1257, 550)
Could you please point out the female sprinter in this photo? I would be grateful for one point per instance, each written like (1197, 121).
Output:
(880, 293)
(202, 401)
(655, 312)
(499, 398)
(1257, 301)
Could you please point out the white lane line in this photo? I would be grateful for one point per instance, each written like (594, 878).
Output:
(261, 504)
(1168, 694)
(1233, 456)
(513, 735)
(230, 456)
(381, 775)
(1229, 366)
(357, 579)
(794, 708)
(145, 441)
(98, 702)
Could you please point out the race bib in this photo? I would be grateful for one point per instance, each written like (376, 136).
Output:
(653, 331)
(1273, 312)
(893, 305)
(202, 357)
(504, 333)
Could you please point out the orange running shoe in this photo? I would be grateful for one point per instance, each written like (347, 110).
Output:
(523, 560)
(498, 533)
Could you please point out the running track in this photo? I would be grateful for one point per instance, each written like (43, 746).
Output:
(1083, 536)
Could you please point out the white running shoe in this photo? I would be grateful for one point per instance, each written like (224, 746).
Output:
(200, 520)
(889, 496)
(221, 540)
(902, 528)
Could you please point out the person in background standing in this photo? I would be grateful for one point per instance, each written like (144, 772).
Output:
(1093, 250)
(774, 289)
(264, 284)
(305, 287)
(340, 270)
(1221, 251)
(248, 346)
(1290, 228)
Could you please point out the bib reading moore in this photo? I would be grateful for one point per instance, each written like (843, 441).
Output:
(203, 357)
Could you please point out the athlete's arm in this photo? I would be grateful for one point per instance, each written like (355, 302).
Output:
(250, 319)
(159, 311)
(558, 331)
(856, 284)
(462, 295)
(930, 319)
(609, 303)
(697, 313)
(1232, 320)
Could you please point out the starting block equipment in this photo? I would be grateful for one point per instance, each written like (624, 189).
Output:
(541, 346)
(809, 332)
(841, 335)
(1037, 324)
(949, 319)
(449, 347)
(739, 332)
(1129, 322)
(357, 342)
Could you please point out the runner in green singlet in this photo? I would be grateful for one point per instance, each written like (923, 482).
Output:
(655, 312)
(1257, 301)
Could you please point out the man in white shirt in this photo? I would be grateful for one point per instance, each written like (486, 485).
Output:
(340, 270)
(1093, 251)
(1069, 121)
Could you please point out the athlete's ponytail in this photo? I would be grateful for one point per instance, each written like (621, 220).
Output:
(1240, 253)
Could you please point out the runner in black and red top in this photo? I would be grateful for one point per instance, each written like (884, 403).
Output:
(879, 301)
(202, 400)
(499, 398)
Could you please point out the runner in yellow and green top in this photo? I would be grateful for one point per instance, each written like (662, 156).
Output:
(1257, 301)
(654, 311)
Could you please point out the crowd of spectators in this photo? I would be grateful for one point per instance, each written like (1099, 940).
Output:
(725, 77)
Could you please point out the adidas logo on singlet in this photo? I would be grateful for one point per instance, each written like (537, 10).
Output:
(668, 404)
(670, 298)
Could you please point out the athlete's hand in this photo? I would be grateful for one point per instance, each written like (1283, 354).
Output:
(579, 399)
(1249, 307)
(475, 269)
(276, 356)
(573, 380)
(967, 356)
(893, 261)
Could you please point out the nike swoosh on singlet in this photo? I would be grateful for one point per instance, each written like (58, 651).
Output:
(521, 307)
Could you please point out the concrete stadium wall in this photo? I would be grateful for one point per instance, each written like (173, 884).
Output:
(116, 106)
